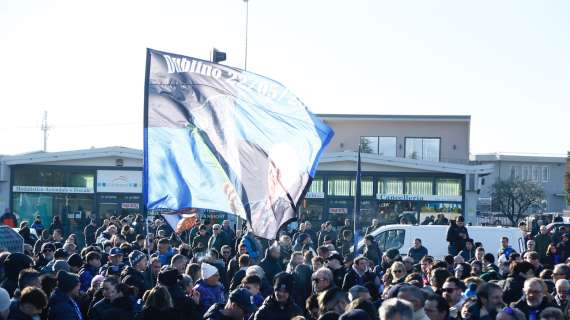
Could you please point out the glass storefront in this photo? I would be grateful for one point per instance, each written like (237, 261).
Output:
(67, 192)
(386, 197)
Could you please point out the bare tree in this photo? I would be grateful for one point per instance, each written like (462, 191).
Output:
(515, 197)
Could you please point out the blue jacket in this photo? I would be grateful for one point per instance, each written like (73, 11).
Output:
(209, 295)
(63, 307)
(86, 274)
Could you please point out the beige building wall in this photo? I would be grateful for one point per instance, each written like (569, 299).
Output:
(454, 134)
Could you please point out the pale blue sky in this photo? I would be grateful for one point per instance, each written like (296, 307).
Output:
(505, 63)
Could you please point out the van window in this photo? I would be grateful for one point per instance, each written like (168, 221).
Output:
(391, 239)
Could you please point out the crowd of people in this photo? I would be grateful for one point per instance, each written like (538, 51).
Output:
(126, 268)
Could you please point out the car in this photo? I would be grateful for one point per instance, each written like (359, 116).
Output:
(402, 236)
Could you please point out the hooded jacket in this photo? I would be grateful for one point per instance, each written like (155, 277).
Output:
(209, 295)
(273, 310)
(86, 274)
(270, 265)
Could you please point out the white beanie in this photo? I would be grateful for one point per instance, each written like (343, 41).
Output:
(208, 270)
(4, 300)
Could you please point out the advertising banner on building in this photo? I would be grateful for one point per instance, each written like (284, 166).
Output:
(225, 139)
(119, 181)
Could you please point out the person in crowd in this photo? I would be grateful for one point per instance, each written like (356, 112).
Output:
(534, 300)
(186, 306)
(552, 257)
(336, 264)
(375, 225)
(359, 274)
(505, 249)
(218, 238)
(271, 264)
(371, 250)
(239, 305)
(117, 302)
(115, 265)
(457, 235)
(468, 253)
(158, 304)
(89, 232)
(323, 280)
(31, 305)
(452, 292)
(418, 251)
(280, 304)
(395, 308)
(13, 264)
(211, 291)
(133, 275)
(436, 307)
(542, 240)
(417, 298)
(327, 231)
(513, 287)
(562, 295)
(89, 270)
(62, 305)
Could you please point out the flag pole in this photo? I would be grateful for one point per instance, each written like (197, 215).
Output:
(356, 210)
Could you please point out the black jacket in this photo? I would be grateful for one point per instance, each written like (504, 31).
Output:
(273, 310)
(121, 309)
(184, 305)
(236, 280)
(513, 289)
(454, 237)
(89, 234)
(524, 307)
(214, 313)
(302, 285)
(271, 266)
(352, 278)
(134, 278)
(154, 314)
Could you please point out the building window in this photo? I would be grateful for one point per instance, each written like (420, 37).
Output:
(387, 146)
(419, 186)
(535, 174)
(391, 186)
(448, 187)
(545, 174)
(423, 148)
(338, 186)
(369, 145)
(525, 173)
(316, 185)
(384, 146)
(366, 187)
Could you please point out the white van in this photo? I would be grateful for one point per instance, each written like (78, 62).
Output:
(402, 236)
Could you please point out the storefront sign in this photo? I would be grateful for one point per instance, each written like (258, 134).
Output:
(338, 210)
(119, 181)
(410, 197)
(40, 189)
(129, 205)
(315, 195)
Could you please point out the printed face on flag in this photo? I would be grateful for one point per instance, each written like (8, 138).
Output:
(224, 139)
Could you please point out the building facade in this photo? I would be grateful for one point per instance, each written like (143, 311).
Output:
(75, 185)
(413, 167)
(549, 172)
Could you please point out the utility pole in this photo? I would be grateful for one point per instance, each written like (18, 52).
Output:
(45, 129)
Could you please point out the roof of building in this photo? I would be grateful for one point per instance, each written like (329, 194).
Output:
(39, 157)
(394, 117)
(408, 163)
(514, 157)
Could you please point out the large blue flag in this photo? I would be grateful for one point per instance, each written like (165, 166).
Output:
(225, 139)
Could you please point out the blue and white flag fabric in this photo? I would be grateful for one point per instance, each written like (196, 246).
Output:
(225, 139)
